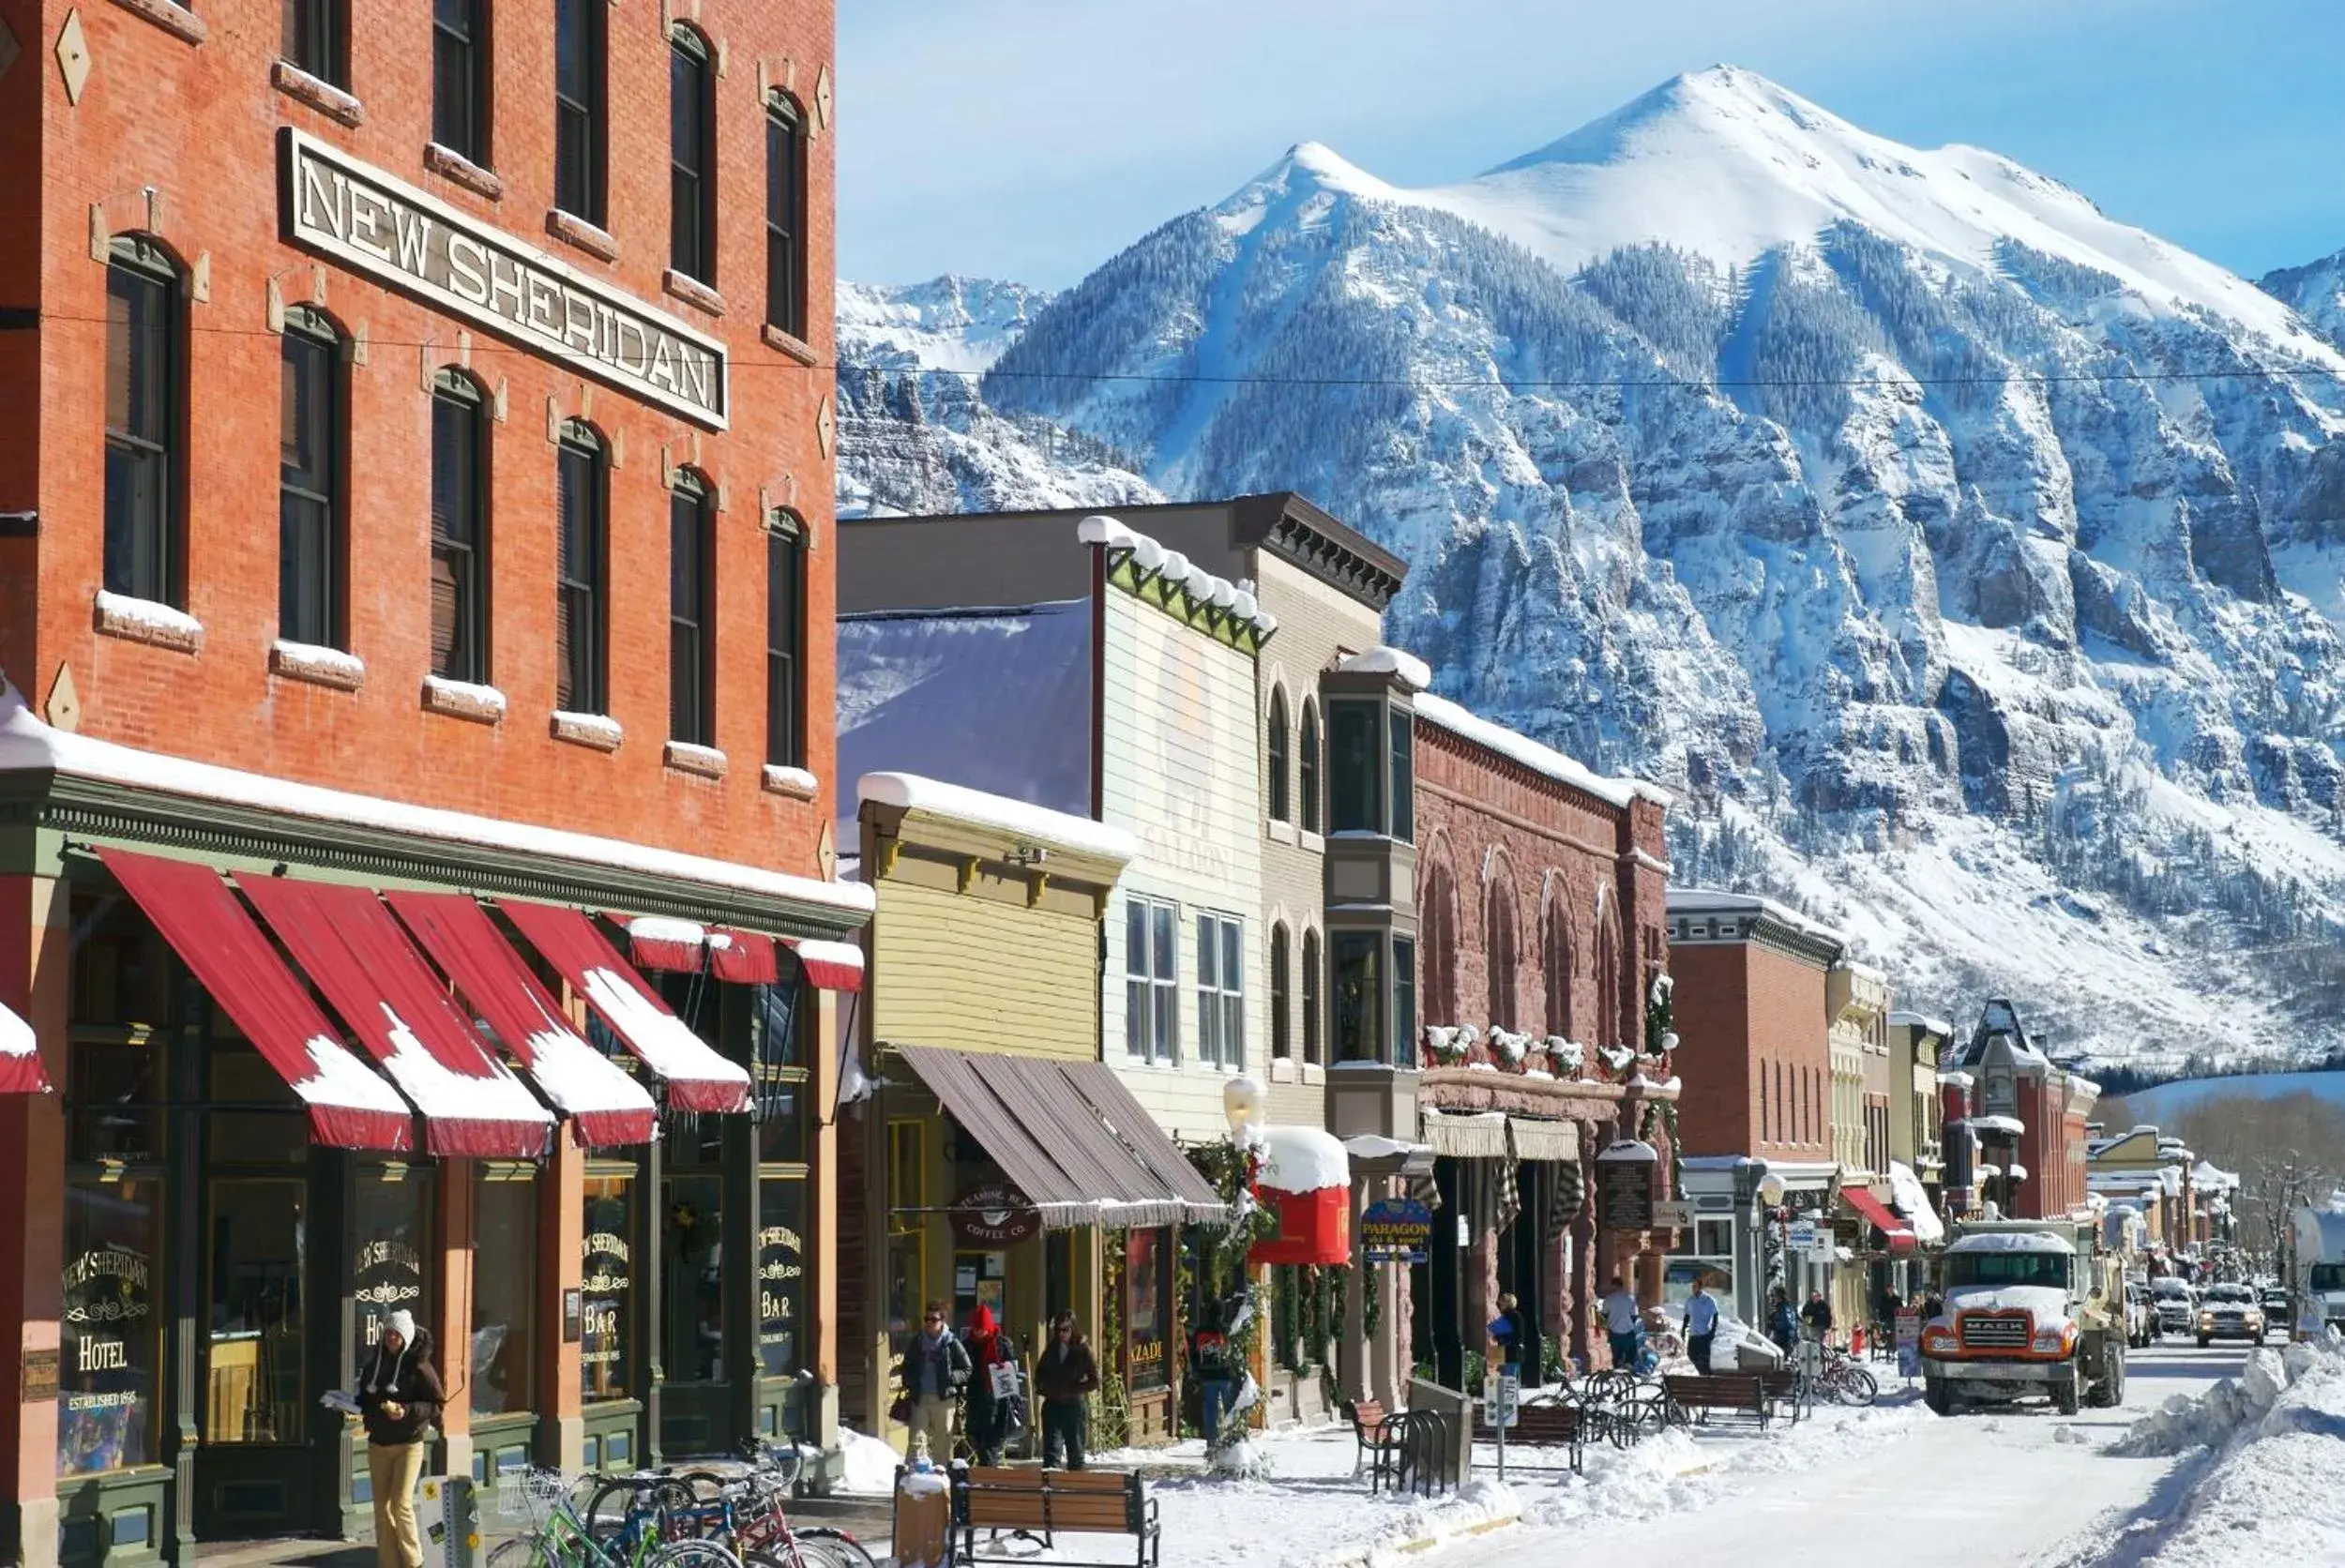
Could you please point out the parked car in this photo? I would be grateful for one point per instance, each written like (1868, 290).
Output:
(2231, 1312)
(2275, 1312)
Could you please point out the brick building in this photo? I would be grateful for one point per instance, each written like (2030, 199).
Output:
(1752, 1006)
(2022, 1119)
(1540, 917)
(545, 436)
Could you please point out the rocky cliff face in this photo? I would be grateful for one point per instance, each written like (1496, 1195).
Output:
(1971, 563)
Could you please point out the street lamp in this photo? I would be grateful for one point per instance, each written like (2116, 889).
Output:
(1776, 1229)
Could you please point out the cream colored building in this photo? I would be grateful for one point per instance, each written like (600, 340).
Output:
(1858, 997)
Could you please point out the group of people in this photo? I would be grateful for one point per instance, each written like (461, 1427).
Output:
(942, 1370)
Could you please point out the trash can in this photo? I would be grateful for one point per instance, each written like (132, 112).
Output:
(923, 1527)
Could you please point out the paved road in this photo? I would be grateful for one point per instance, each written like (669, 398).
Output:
(1986, 1489)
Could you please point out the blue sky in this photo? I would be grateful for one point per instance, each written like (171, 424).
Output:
(1032, 139)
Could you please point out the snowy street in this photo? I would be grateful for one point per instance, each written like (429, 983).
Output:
(2017, 1487)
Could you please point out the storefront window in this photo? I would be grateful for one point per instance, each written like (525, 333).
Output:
(607, 1284)
(255, 1119)
(503, 1292)
(1358, 985)
(780, 1274)
(391, 1221)
(255, 1349)
(694, 1309)
(1148, 1291)
(115, 1092)
(110, 1336)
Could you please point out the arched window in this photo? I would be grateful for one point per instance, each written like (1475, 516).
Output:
(1307, 766)
(1555, 960)
(145, 419)
(1281, 1042)
(460, 529)
(1437, 940)
(785, 216)
(1274, 755)
(691, 155)
(1609, 1023)
(1499, 950)
(691, 612)
(1311, 1026)
(310, 501)
(785, 641)
(582, 506)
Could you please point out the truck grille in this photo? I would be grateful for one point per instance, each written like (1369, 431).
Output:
(1999, 1332)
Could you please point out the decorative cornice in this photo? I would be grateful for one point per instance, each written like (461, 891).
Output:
(89, 811)
(1472, 1089)
(1332, 561)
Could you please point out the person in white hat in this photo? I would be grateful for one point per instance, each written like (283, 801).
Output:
(399, 1396)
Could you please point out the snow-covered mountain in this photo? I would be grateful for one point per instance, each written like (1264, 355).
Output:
(2316, 292)
(915, 434)
(1970, 560)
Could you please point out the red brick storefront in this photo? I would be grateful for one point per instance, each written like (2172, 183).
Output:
(1541, 901)
(356, 437)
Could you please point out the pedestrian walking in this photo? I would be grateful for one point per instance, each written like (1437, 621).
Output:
(935, 1368)
(1063, 1375)
(399, 1396)
(1782, 1323)
(1505, 1332)
(993, 1386)
(1817, 1317)
(1702, 1326)
(1621, 1325)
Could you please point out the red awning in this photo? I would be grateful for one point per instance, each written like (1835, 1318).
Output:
(656, 942)
(20, 1057)
(698, 1078)
(373, 976)
(1877, 1215)
(833, 966)
(742, 957)
(349, 1105)
(608, 1106)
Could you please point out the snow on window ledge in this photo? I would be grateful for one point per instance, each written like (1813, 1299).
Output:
(596, 732)
(145, 621)
(797, 783)
(319, 666)
(482, 704)
(705, 761)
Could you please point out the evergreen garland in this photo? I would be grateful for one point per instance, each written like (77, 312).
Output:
(1222, 1273)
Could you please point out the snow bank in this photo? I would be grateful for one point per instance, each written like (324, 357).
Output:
(870, 1463)
(2268, 1494)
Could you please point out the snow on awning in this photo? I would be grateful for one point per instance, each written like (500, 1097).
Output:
(1304, 1159)
(832, 966)
(607, 1108)
(2017, 1171)
(742, 957)
(698, 1078)
(350, 1108)
(1911, 1201)
(657, 942)
(1876, 1213)
(473, 1107)
(20, 1057)
(2010, 1126)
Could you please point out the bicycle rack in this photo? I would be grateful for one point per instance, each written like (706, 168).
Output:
(1417, 1457)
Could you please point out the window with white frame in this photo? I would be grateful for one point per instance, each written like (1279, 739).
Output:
(1151, 973)
(1221, 991)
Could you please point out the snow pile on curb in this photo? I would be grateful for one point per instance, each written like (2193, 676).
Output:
(2269, 1495)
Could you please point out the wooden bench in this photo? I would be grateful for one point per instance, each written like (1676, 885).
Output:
(1540, 1425)
(1042, 1503)
(1785, 1390)
(1371, 1430)
(1734, 1392)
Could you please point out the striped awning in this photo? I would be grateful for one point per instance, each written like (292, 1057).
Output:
(1532, 1138)
(1467, 1134)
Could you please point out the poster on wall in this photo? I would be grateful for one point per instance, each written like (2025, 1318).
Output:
(1146, 1260)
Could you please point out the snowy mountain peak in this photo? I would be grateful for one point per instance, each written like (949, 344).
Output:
(1310, 170)
(945, 324)
(1733, 104)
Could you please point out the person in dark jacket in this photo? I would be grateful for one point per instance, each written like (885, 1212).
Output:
(992, 1409)
(1782, 1323)
(935, 1368)
(1817, 1315)
(399, 1396)
(1063, 1375)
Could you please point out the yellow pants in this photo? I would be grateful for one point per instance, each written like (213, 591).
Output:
(394, 1470)
(932, 1416)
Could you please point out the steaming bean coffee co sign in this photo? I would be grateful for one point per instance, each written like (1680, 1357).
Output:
(360, 217)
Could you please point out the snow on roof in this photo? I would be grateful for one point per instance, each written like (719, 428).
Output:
(2014, 1241)
(1376, 1146)
(2011, 1125)
(1529, 753)
(27, 745)
(1939, 1027)
(1699, 900)
(1152, 557)
(917, 792)
(1382, 660)
(1911, 1201)
(1303, 1159)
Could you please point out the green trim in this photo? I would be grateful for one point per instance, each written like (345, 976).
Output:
(1176, 600)
(48, 822)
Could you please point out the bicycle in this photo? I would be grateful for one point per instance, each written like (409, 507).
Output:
(748, 1513)
(1840, 1379)
(562, 1537)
